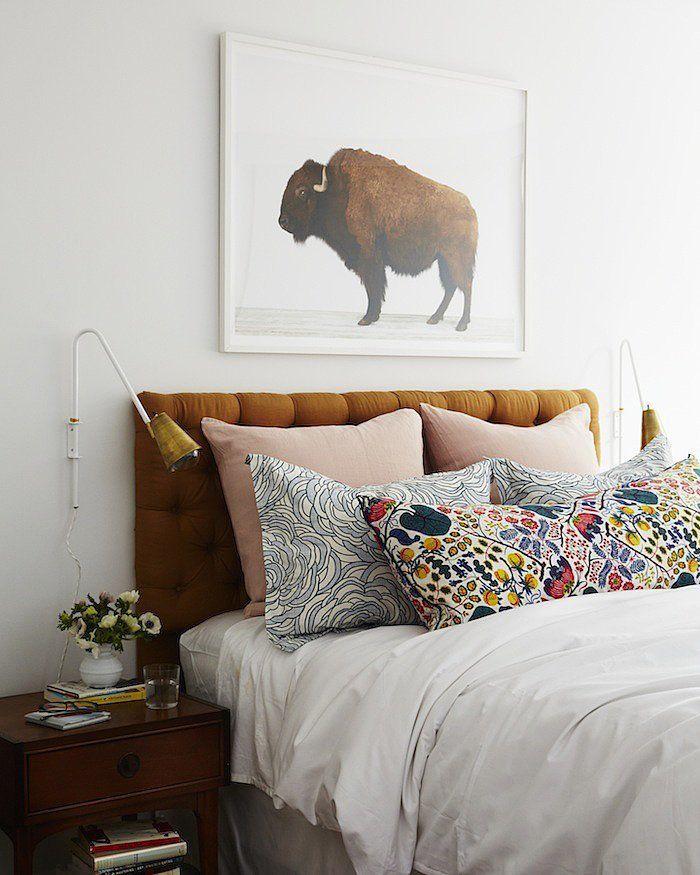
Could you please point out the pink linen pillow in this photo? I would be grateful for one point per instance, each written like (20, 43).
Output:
(382, 450)
(455, 440)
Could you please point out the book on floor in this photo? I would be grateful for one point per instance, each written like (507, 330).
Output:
(136, 857)
(66, 721)
(126, 835)
(167, 867)
(164, 867)
(79, 690)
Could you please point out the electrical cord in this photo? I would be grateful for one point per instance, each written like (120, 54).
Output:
(79, 567)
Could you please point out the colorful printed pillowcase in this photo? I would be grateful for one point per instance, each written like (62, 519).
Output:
(518, 484)
(460, 563)
(323, 568)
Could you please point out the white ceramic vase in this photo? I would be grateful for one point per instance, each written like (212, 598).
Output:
(103, 671)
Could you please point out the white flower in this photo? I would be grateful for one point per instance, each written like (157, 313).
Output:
(108, 621)
(78, 628)
(86, 644)
(131, 622)
(150, 623)
(131, 596)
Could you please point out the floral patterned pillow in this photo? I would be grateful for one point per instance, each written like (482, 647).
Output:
(460, 563)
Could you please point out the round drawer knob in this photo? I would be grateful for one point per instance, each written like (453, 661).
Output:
(128, 765)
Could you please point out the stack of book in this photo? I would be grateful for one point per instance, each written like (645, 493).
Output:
(75, 691)
(137, 847)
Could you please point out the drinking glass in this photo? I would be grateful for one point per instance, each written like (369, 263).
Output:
(162, 685)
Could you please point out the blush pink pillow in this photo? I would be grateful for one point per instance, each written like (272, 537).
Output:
(383, 450)
(455, 440)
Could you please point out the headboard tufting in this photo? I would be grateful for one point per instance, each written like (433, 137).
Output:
(187, 567)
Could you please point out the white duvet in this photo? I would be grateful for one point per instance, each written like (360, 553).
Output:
(561, 737)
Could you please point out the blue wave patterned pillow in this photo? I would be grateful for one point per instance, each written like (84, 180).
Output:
(518, 484)
(323, 567)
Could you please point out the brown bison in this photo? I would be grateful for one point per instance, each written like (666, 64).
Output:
(375, 213)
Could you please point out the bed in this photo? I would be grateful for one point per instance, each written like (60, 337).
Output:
(560, 737)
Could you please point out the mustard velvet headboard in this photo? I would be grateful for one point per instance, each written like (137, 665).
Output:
(187, 567)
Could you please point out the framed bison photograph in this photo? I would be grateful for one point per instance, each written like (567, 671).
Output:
(368, 206)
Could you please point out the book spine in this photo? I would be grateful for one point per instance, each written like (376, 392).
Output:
(58, 723)
(135, 845)
(132, 858)
(146, 868)
(113, 698)
(73, 694)
(60, 692)
(110, 699)
(163, 867)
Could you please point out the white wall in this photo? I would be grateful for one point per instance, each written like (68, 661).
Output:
(108, 217)
(109, 163)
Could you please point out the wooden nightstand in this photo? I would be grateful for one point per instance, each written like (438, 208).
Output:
(140, 760)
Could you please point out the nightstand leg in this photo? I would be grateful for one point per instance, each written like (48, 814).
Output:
(24, 850)
(207, 814)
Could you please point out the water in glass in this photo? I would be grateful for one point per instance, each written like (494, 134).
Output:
(162, 685)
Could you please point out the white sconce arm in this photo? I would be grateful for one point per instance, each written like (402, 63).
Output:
(618, 420)
(626, 345)
(74, 421)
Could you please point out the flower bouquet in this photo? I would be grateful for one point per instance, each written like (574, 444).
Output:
(100, 627)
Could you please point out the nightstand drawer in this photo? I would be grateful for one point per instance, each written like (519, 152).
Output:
(107, 769)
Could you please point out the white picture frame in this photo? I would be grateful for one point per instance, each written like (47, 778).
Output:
(261, 271)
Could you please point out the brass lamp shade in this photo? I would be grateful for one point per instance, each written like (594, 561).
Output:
(176, 447)
(651, 427)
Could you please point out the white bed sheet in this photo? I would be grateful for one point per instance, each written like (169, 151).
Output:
(200, 647)
(256, 835)
(262, 686)
(561, 737)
